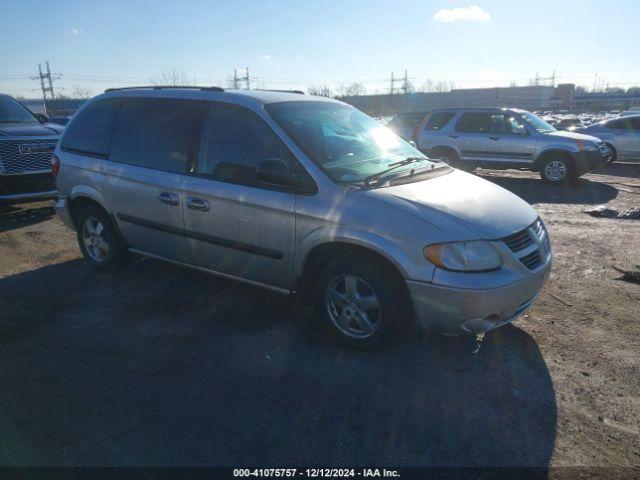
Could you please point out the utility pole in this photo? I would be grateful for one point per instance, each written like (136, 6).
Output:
(235, 79)
(405, 83)
(393, 84)
(247, 79)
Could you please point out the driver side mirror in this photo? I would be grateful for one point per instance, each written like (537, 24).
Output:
(276, 171)
(42, 118)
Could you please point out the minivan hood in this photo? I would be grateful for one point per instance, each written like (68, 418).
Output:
(574, 136)
(481, 207)
(28, 130)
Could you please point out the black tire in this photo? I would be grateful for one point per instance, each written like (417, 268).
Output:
(613, 155)
(552, 166)
(92, 216)
(375, 277)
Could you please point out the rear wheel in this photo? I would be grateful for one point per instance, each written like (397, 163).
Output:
(557, 169)
(361, 301)
(98, 239)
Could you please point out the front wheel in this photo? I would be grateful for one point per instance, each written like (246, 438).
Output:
(362, 301)
(557, 170)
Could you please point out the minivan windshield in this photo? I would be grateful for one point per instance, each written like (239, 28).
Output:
(348, 144)
(536, 122)
(12, 111)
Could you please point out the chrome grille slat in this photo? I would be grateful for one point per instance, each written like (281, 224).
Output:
(531, 245)
(14, 162)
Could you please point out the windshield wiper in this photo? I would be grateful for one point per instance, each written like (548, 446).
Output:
(392, 166)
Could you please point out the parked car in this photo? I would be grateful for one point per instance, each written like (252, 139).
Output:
(508, 138)
(59, 119)
(403, 124)
(621, 135)
(26, 147)
(299, 194)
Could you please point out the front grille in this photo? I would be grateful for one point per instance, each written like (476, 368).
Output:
(532, 260)
(21, 156)
(518, 241)
(530, 245)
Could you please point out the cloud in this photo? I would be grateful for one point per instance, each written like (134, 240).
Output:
(77, 31)
(474, 13)
(266, 57)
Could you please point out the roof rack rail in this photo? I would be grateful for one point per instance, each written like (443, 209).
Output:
(162, 87)
(299, 92)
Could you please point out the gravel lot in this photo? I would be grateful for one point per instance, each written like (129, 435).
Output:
(158, 365)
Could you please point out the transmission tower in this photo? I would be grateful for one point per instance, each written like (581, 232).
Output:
(393, 84)
(247, 79)
(47, 87)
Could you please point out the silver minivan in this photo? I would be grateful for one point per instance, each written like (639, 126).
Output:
(299, 194)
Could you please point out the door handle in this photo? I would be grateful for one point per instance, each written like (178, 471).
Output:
(199, 204)
(169, 198)
(494, 138)
(453, 136)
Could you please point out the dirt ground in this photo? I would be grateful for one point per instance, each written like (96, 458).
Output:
(157, 365)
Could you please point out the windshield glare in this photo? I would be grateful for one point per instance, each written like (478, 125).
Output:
(349, 145)
(536, 122)
(13, 112)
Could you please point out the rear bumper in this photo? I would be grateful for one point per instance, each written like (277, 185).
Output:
(455, 310)
(586, 161)
(61, 206)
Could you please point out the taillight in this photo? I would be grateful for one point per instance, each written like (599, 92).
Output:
(55, 166)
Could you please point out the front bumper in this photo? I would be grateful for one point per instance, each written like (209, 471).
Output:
(587, 160)
(457, 310)
(26, 186)
(61, 206)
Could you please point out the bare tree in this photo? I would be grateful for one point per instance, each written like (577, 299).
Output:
(173, 78)
(443, 87)
(81, 92)
(320, 90)
(352, 90)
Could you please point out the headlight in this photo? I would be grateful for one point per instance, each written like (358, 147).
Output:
(476, 256)
(586, 145)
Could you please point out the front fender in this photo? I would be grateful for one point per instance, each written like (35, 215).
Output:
(391, 250)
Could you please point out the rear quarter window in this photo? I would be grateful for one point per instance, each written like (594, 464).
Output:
(90, 131)
(438, 120)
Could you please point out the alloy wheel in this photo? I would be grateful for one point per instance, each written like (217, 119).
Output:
(555, 170)
(353, 306)
(94, 239)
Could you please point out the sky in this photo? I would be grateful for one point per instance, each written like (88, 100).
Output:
(94, 45)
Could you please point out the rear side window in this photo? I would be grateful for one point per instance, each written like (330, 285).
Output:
(474, 122)
(158, 133)
(90, 130)
(438, 120)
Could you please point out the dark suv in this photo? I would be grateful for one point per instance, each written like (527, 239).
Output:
(27, 143)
